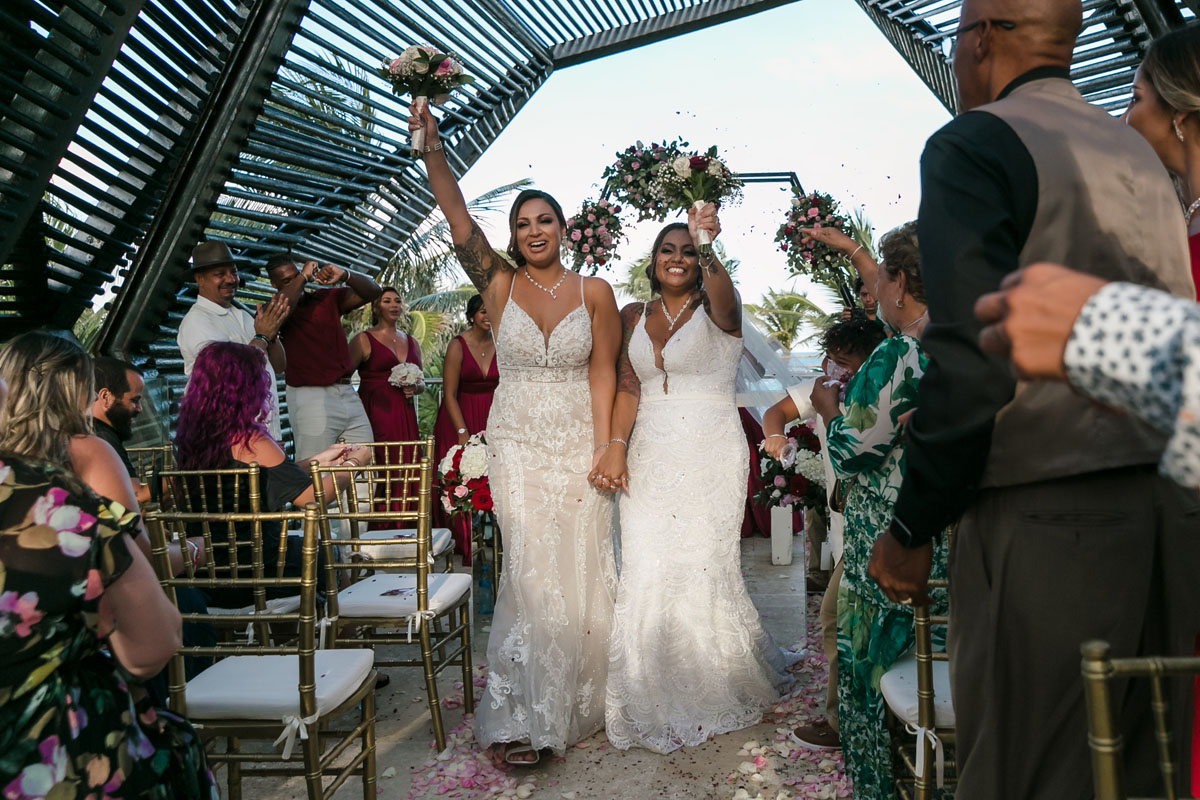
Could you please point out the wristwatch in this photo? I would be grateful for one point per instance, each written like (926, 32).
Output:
(462, 430)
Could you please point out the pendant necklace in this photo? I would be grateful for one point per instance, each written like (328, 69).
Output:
(552, 289)
(1191, 212)
(672, 320)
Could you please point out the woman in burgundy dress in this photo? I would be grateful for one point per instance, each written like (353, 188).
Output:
(376, 352)
(469, 377)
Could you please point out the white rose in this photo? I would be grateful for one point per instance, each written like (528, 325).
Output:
(682, 166)
(448, 460)
(473, 464)
(715, 168)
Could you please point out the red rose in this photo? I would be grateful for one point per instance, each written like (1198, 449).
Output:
(450, 478)
(475, 484)
(699, 163)
(482, 499)
(798, 486)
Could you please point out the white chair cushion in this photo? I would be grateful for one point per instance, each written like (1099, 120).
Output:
(439, 543)
(395, 595)
(899, 688)
(277, 605)
(266, 687)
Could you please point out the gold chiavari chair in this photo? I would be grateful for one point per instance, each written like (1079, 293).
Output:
(1104, 730)
(375, 489)
(251, 688)
(148, 462)
(387, 607)
(916, 691)
(209, 495)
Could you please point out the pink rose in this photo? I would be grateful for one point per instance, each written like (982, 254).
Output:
(813, 213)
(599, 251)
(629, 179)
(588, 260)
(394, 67)
(587, 231)
(460, 491)
(780, 481)
(576, 236)
(586, 248)
(635, 165)
(591, 217)
(446, 504)
(602, 230)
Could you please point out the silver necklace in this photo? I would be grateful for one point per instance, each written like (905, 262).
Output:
(552, 289)
(1192, 209)
(672, 320)
(924, 314)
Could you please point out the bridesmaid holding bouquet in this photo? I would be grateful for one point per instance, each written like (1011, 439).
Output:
(469, 379)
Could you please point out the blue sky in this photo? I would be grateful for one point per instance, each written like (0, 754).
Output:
(812, 87)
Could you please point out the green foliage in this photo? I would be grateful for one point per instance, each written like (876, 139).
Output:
(784, 315)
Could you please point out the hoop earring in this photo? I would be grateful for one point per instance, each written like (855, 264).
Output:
(899, 304)
(1178, 130)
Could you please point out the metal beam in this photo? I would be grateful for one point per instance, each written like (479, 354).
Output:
(657, 28)
(235, 102)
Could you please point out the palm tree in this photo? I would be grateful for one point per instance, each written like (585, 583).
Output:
(784, 315)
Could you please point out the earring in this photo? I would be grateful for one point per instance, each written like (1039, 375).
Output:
(1178, 130)
(899, 304)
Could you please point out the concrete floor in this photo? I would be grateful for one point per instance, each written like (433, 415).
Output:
(752, 763)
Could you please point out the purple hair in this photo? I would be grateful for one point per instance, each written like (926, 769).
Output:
(226, 403)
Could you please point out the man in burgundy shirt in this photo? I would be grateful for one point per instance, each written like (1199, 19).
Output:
(322, 404)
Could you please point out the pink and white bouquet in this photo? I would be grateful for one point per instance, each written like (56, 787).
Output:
(592, 234)
(407, 375)
(693, 180)
(798, 475)
(463, 477)
(426, 73)
(627, 180)
(806, 255)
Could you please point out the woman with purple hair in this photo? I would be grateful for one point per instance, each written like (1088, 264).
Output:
(223, 425)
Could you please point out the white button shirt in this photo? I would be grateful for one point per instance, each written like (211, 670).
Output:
(207, 322)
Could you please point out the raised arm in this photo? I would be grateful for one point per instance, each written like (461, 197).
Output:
(722, 302)
(612, 466)
(860, 259)
(476, 255)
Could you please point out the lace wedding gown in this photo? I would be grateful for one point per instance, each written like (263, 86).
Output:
(547, 652)
(689, 657)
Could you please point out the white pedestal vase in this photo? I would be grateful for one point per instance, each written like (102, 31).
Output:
(782, 536)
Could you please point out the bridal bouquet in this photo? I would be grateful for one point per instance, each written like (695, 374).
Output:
(693, 180)
(628, 179)
(424, 72)
(592, 234)
(463, 474)
(806, 255)
(798, 475)
(406, 375)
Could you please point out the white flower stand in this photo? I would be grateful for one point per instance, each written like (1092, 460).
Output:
(782, 536)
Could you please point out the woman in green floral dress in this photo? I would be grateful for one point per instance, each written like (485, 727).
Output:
(866, 446)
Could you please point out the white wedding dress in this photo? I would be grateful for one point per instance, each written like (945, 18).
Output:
(689, 657)
(547, 653)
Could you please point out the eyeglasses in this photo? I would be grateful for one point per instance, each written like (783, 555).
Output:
(999, 23)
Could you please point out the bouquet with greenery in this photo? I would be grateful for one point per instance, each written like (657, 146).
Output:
(628, 179)
(798, 475)
(424, 72)
(693, 180)
(592, 234)
(806, 255)
(463, 477)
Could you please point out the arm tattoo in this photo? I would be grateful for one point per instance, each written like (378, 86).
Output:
(627, 379)
(477, 258)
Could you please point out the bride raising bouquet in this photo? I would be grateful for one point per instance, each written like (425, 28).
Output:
(691, 181)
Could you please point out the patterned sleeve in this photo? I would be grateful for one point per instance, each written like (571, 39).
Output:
(883, 389)
(111, 540)
(1138, 349)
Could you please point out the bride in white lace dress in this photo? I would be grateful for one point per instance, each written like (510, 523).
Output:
(689, 656)
(557, 340)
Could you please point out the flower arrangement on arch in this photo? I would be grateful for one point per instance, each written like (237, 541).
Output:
(693, 180)
(592, 234)
(463, 477)
(806, 255)
(627, 180)
(798, 475)
(426, 73)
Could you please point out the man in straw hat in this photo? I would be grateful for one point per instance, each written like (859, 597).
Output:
(215, 318)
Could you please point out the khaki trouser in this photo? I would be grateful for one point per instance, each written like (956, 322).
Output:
(1035, 571)
(829, 643)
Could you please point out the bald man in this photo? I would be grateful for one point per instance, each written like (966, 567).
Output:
(1066, 531)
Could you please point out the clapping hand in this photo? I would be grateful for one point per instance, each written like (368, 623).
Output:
(705, 219)
(269, 316)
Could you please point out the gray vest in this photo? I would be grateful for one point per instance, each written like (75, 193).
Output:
(1105, 206)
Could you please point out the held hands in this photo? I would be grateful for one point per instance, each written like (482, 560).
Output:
(1030, 319)
(420, 117)
(704, 219)
(269, 316)
(610, 474)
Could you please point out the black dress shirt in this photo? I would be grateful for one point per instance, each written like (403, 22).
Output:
(979, 191)
(109, 434)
